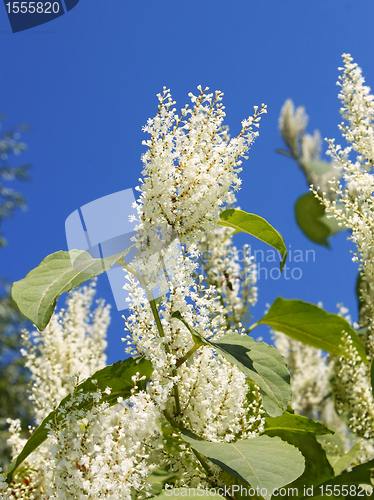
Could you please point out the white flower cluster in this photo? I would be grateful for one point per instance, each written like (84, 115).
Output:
(190, 167)
(303, 147)
(351, 386)
(190, 170)
(72, 344)
(292, 125)
(353, 203)
(212, 392)
(71, 347)
(102, 452)
(358, 111)
(310, 386)
(353, 390)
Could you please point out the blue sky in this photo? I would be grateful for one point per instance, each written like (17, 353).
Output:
(87, 82)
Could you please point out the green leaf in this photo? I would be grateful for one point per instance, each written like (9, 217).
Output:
(358, 475)
(256, 226)
(290, 422)
(187, 492)
(340, 463)
(308, 214)
(116, 376)
(312, 219)
(311, 325)
(36, 295)
(317, 466)
(261, 362)
(263, 462)
(295, 432)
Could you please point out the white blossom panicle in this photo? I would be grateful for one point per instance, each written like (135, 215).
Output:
(358, 110)
(190, 167)
(102, 453)
(72, 344)
(213, 394)
(353, 203)
(305, 148)
(190, 170)
(310, 386)
(292, 125)
(99, 452)
(70, 348)
(354, 398)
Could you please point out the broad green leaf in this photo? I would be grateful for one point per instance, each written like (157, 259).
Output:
(311, 325)
(263, 462)
(256, 226)
(312, 219)
(117, 377)
(359, 475)
(308, 213)
(261, 362)
(340, 463)
(317, 466)
(185, 491)
(36, 295)
(289, 422)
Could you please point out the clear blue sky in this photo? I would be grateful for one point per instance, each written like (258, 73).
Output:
(87, 82)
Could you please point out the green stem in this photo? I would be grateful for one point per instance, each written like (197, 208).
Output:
(252, 327)
(167, 349)
(283, 152)
(133, 271)
(157, 319)
(203, 462)
(176, 394)
(156, 316)
(187, 355)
